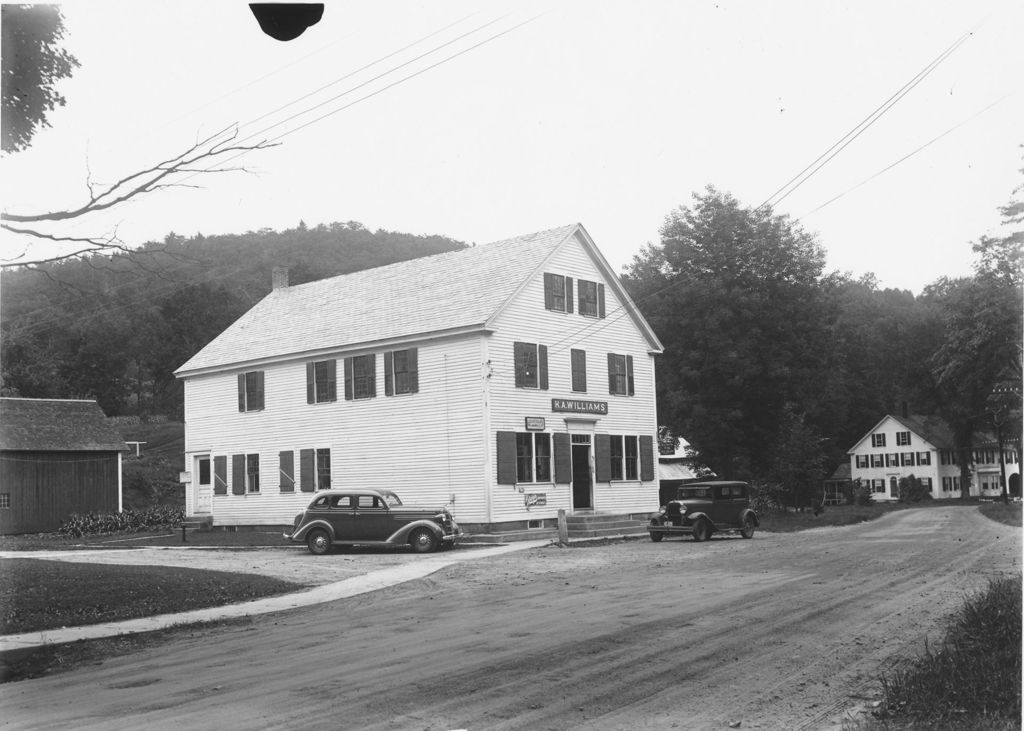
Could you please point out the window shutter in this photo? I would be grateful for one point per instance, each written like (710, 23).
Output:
(220, 475)
(238, 474)
(568, 295)
(600, 300)
(629, 374)
(286, 467)
(646, 458)
(611, 373)
(602, 458)
(310, 384)
(307, 467)
(549, 291)
(389, 373)
(414, 370)
(373, 374)
(506, 458)
(520, 359)
(241, 392)
(542, 366)
(332, 393)
(348, 378)
(563, 457)
(578, 367)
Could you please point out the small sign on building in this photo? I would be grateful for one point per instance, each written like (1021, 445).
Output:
(535, 423)
(535, 498)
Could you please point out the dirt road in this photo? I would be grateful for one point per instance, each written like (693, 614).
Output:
(780, 632)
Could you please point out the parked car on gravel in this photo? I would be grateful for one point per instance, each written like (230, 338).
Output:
(371, 518)
(702, 509)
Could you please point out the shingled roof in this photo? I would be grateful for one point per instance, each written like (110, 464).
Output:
(451, 292)
(56, 425)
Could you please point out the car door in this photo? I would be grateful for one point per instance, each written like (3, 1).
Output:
(342, 517)
(721, 506)
(372, 520)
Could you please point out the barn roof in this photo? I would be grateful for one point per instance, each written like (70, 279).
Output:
(445, 293)
(56, 425)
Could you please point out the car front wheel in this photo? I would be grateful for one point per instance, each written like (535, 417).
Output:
(656, 537)
(701, 531)
(423, 541)
(318, 542)
(747, 531)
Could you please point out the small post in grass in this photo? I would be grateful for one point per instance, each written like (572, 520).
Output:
(563, 528)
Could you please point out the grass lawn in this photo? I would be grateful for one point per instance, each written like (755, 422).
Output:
(40, 595)
(1006, 514)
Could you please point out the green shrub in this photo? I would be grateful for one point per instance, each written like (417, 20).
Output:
(912, 491)
(127, 521)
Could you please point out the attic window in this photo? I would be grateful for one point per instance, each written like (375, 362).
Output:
(591, 296)
(902, 438)
(557, 292)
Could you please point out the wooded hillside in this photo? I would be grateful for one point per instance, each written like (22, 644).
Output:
(115, 328)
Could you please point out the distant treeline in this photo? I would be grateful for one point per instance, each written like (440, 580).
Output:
(115, 328)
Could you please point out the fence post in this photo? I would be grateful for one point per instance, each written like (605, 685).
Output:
(563, 528)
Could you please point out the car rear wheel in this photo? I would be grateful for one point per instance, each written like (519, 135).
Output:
(701, 530)
(423, 541)
(656, 537)
(747, 531)
(318, 542)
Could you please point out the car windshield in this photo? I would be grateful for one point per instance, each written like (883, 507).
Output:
(390, 498)
(692, 493)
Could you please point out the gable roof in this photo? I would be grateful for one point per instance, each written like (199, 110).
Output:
(56, 425)
(934, 429)
(458, 291)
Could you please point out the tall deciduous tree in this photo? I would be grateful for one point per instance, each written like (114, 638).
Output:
(733, 293)
(33, 63)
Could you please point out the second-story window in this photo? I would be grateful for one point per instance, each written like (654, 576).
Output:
(360, 377)
(531, 365)
(250, 391)
(578, 362)
(620, 374)
(401, 372)
(321, 382)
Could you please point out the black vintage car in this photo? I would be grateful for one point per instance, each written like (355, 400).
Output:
(701, 509)
(371, 518)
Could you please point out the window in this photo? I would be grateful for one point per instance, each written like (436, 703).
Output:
(250, 391)
(321, 378)
(624, 455)
(947, 456)
(878, 485)
(878, 440)
(533, 457)
(862, 460)
(360, 377)
(578, 360)
(877, 460)
(252, 473)
(902, 438)
(892, 460)
(620, 374)
(204, 470)
(926, 483)
(947, 484)
(924, 458)
(401, 372)
(323, 469)
(531, 365)
(286, 470)
(5, 501)
(557, 292)
(588, 298)
(907, 459)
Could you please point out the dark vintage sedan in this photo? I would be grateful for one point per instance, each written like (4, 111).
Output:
(371, 518)
(703, 508)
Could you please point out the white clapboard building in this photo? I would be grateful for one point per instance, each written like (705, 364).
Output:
(506, 381)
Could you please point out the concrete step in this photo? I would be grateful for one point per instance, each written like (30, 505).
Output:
(637, 530)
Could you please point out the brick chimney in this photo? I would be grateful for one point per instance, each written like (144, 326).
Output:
(279, 278)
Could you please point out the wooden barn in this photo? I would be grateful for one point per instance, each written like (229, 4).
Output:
(57, 457)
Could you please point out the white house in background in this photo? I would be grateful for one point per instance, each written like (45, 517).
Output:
(899, 446)
(507, 380)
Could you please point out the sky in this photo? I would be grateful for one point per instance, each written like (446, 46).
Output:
(483, 121)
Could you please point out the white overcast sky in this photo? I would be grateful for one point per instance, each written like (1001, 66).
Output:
(606, 113)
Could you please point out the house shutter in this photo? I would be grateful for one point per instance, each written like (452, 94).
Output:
(520, 360)
(238, 474)
(646, 458)
(549, 291)
(602, 458)
(348, 378)
(241, 392)
(389, 373)
(506, 458)
(373, 373)
(307, 467)
(563, 457)
(257, 398)
(568, 295)
(629, 374)
(310, 383)
(542, 366)
(220, 475)
(414, 370)
(611, 373)
(600, 300)
(286, 466)
(578, 367)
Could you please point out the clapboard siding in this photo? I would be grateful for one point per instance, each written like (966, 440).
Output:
(426, 446)
(525, 319)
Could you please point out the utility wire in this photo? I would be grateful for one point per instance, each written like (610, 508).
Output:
(863, 125)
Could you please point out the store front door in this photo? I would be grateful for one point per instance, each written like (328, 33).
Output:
(581, 493)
